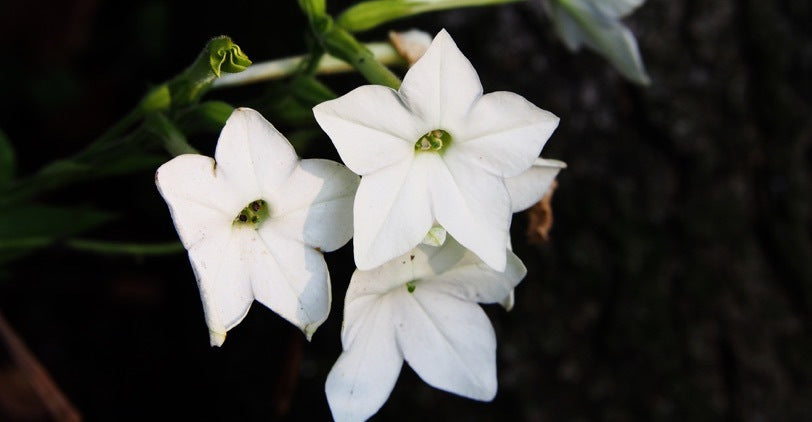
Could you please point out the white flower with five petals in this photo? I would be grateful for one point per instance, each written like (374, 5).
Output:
(255, 220)
(436, 151)
(421, 307)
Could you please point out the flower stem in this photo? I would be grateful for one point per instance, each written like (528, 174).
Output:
(124, 248)
(281, 68)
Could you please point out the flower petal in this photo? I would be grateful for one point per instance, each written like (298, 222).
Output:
(223, 279)
(392, 212)
(504, 133)
(469, 279)
(596, 25)
(365, 374)
(529, 187)
(474, 207)
(289, 278)
(441, 87)
(448, 342)
(197, 199)
(252, 155)
(617, 8)
(370, 127)
(314, 205)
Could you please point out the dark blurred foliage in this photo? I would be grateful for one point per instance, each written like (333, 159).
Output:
(677, 284)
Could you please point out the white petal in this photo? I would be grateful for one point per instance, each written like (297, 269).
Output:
(197, 199)
(474, 207)
(617, 8)
(448, 342)
(370, 127)
(365, 374)
(596, 24)
(509, 301)
(469, 279)
(314, 205)
(441, 87)
(504, 133)
(289, 278)
(223, 279)
(392, 212)
(395, 273)
(529, 187)
(252, 155)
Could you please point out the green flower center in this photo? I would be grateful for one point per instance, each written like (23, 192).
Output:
(436, 140)
(410, 286)
(253, 214)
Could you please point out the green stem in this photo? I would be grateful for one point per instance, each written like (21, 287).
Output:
(124, 248)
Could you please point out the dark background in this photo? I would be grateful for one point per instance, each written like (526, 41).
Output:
(677, 283)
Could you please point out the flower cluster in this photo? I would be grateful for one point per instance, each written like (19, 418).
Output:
(442, 167)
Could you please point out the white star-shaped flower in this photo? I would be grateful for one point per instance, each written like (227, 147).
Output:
(421, 307)
(434, 151)
(255, 220)
(596, 24)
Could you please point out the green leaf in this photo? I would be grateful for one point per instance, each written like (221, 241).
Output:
(28, 227)
(369, 14)
(7, 161)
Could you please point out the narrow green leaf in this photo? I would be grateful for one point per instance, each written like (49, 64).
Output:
(369, 14)
(28, 227)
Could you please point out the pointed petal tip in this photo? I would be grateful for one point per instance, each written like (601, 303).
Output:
(309, 330)
(216, 338)
(549, 162)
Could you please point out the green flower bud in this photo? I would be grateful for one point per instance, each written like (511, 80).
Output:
(225, 56)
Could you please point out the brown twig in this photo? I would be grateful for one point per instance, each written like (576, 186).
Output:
(31, 370)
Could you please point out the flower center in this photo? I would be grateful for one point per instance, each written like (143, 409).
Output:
(253, 214)
(436, 140)
(410, 286)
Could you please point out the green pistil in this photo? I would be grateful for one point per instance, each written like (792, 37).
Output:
(435, 140)
(410, 286)
(253, 214)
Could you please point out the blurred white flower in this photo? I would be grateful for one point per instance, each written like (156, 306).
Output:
(421, 307)
(436, 151)
(596, 24)
(255, 220)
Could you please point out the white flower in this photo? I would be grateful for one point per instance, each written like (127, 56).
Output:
(422, 308)
(436, 150)
(526, 190)
(596, 24)
(529, 187)
(254, 221)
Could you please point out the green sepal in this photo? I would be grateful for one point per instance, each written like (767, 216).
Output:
(157, 99)
(206, 117)
(172, 139)
(369, 14)
(313, 8)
